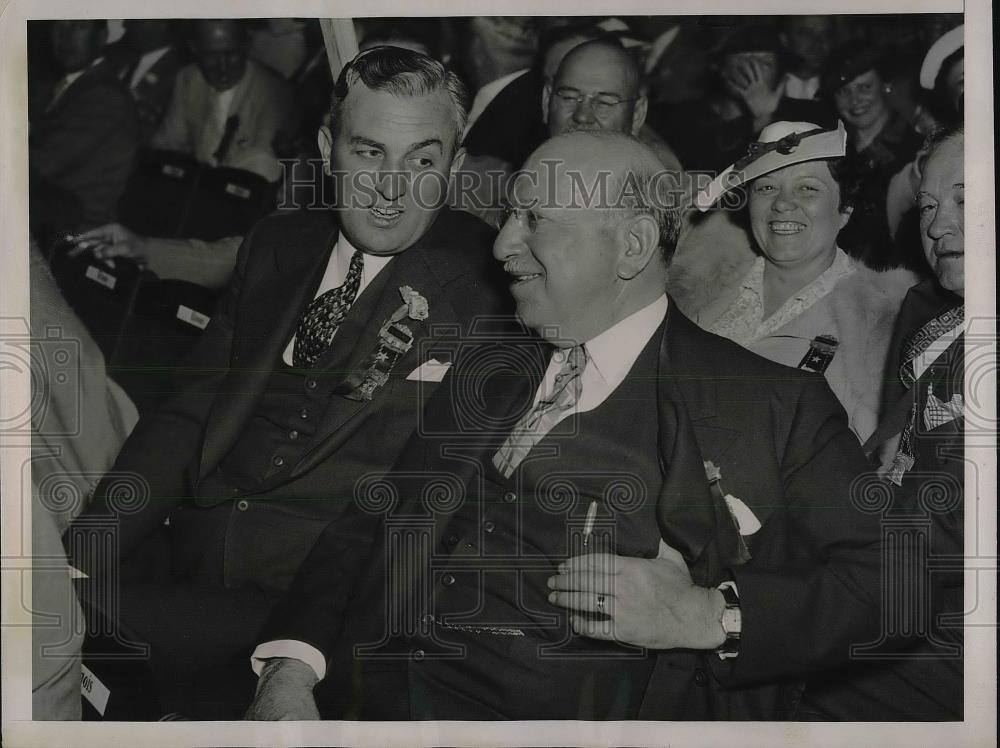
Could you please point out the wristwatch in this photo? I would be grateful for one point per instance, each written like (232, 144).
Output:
(731, 621)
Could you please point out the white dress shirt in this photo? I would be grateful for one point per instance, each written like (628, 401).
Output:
(610, 357)
(336, 273)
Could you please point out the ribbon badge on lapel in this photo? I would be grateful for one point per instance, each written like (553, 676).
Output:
(394, 339)
(744, 520)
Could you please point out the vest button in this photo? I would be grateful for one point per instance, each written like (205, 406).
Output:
(510, 497)
(243, 505)
(700, 679)
(278, 461)
(293, 434)
(489, 526)
(448, 580)
(310, 384)
(304, 413)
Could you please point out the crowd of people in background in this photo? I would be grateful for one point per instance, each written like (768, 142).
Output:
(819, 225)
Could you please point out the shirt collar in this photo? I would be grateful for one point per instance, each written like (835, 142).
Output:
(614, 351)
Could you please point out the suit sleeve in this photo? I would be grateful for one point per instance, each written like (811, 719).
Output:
(84, 129)
(804, 613)
(165, 443)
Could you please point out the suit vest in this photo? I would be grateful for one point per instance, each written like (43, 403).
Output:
(489, 586)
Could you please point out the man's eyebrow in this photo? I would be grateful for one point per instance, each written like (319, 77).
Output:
(424, 143)
(359, 140)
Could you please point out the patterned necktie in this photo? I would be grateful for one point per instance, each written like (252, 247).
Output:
(535, 424)
(324, 315)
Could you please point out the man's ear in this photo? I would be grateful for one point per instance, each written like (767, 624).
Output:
(457, 161)
(639, 114)
(324, 138)
(546, 96)
(640, 243)
(845, 215)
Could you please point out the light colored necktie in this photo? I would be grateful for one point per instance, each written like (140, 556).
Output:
(324, 315)
(538, 422)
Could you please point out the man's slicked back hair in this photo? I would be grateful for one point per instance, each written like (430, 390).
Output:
(401, 72)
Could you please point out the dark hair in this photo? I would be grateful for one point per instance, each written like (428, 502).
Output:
(401, 72)
(848, 178)
(942, 135)
(941, 94)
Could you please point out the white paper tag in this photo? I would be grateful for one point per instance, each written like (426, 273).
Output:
(173, 171)
(93, 690)
(189, 315)
(235, 189)
(431, 370)
(99, 276)
(745, 518)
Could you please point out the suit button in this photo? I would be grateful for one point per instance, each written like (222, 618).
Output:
(510, 497)
(451, 541)
(700, 679)
(448, 580)
(489, 526)
(304, 413)
(293, 434)
(418, 654)
(278, 461)
(310, 384)
(243, 505)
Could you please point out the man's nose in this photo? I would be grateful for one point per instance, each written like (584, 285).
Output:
(390, 182)
(584, 111)
(510, 240)
(944, 222)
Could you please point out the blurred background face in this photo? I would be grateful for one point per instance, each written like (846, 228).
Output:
(795, 216)
(221, 51)
(76, 44)
(733, 69)
(862, 102)
(808, 39)
(395, 152)
(609, 85)
(941, 206)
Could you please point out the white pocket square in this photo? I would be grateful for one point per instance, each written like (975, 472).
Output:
(431, 370)
(746, 520)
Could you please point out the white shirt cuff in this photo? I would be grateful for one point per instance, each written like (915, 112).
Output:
(293, 650)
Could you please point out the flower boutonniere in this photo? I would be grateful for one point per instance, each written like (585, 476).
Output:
(395, 338)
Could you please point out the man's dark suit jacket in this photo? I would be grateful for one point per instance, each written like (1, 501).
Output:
(84, 145)
(926, 681)
(780, 438)
(152, 92)
(511, 126)
(279, 268)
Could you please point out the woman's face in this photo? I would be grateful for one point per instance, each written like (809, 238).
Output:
(862, 102)
(795, 215)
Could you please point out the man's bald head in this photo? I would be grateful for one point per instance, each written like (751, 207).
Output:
(220, 48)
(598, 86)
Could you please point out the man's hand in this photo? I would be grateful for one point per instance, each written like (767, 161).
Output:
(107, 242)
(750, 80)
(284, 692)
(647, 602)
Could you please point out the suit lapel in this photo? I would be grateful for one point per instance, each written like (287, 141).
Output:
(271, 306)
(373, 307)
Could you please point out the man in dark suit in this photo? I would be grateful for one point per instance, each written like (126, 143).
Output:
(310, 374)
(582, 520)
(83, 134)
(921, 440)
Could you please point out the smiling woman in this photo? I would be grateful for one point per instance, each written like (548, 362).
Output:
(804, 302)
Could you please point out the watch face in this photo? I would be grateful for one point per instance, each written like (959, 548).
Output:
(732, 621)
